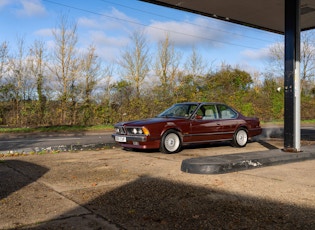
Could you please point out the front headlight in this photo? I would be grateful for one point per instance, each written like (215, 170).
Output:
(135, 130)
(139, 131)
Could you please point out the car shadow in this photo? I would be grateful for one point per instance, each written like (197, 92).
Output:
(191, 146)
(307, 134)
(267, 145)
(17, 174)
(155, 203)
(205, 146)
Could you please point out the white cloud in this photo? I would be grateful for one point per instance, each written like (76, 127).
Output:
(102, 38)
(108, 32)
(44, 32)
(89, 23)
(30, 8)
(4, 3)
(184, 33)
(259, 54)
(112, 20)
(108, 47)
(118, 14)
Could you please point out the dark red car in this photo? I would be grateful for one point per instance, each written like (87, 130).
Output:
(188, 123)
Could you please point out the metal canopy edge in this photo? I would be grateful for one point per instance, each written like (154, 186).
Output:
(260, 14)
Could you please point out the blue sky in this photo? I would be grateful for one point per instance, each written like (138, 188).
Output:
(108, 24)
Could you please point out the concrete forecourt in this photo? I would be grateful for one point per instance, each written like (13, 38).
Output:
(118, 189)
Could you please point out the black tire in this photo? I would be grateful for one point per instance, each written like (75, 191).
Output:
(128, 149)
(171, 142)
(240, 138)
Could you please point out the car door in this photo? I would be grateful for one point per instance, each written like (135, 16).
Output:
(205, 125)
(228, 121)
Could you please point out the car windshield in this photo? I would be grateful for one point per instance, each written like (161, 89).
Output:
(179, 110)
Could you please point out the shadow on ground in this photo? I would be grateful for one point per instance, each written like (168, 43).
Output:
(307, 134)
(274, 133)
(152, 203)
(11, 179)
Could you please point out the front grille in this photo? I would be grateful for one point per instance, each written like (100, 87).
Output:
(120, 130)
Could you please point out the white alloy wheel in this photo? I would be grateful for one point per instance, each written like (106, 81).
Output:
(171, 142)
(240, 138)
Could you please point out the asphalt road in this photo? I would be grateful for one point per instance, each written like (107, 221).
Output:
(90, 140)
(63, 141)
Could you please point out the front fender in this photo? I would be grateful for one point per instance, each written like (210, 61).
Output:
(172, 127)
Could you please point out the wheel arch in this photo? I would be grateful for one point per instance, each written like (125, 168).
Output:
(176, 129)
(167, 146)
(242, 126)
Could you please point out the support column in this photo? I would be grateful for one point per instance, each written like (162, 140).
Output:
(292, 95)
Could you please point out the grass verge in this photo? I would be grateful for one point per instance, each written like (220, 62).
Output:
(61, 128)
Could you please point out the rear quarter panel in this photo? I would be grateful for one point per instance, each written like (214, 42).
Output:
(253, 125)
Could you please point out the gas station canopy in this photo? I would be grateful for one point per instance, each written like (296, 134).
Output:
(261, 14)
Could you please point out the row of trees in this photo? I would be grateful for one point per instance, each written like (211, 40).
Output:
(63, 86)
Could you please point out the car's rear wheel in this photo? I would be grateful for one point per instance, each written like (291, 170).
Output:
(240, 138)
(171, 142)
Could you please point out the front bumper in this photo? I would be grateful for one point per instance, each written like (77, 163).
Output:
(128, 138)
(136, 141)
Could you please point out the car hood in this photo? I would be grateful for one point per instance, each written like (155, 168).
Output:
(149, 121)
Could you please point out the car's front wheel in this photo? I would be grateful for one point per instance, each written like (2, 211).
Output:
(240, 138)
(170, 142)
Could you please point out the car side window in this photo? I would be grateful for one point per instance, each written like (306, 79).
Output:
(226, 112)
(208, 112)
(192, 109)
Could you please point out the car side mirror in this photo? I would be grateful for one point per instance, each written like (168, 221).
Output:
(198, 117)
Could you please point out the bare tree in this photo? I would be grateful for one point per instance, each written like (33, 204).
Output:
(18, 79)
(4, 68)
(307, 64)
(65, 66)
(4, 59)
(107, 73)
(36, 61)
(275, 60)
(167, 69)
(167, 62)
(90, 70)
(193, 78)
(135, 61)
(307, 60)
(195, 65)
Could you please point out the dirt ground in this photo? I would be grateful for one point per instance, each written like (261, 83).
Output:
(118, 189)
